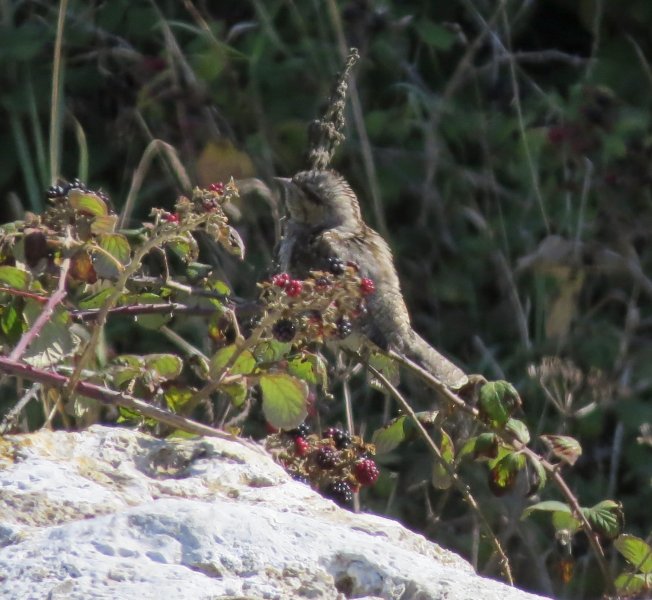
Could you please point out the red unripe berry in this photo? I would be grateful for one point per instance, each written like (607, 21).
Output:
(301, 446)
(171, 218)
(281, 280)
(294, 288)
(367, 286)
(216, 187)
(366, 471)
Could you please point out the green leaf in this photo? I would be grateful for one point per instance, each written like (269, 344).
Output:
(244, 364)
(87, 203)
(11, 322)
(482, 446)
(565, 522)
(440, 478)
(502, 475)
(562, 516)
(237, 392)
(131, 360)
(176, 398)
(95, 300)
(125, 375)
(519, 429)
(546, 506)
(196, 271)
(636, 551)
(104, 224)
(168, 366)
(272, 351)
(117, 246)
(389, 437)
(435, 35)
(185, 247)
(632, 584)
(14, 278)
(105, 265)
(219, 287)
(55, 341)
(606, 517)
(498, 399)
(126, 415)
(148, 321)
(284, 400)
(563, 447)
(309, 367)
(387, 366)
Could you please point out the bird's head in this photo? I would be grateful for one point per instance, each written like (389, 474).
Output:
(321, 198)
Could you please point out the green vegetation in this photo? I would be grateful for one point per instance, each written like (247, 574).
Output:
(502, 148)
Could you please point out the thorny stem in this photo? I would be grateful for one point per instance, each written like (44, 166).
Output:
(459, 484)
(241, 345)
(116, 398)
(24, 294)
(29, 336)
(144, 309)
(550, 468)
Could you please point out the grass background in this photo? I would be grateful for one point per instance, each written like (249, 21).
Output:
(502, 148)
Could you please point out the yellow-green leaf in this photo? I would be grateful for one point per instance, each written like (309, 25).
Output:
(389, 437)
(244, 364)
(117, 246)
(14, 277)
(632, 584)
(606, 517)
(87, 203)
(441, 478)
(284, 400)
(168, 366)
(636, 551)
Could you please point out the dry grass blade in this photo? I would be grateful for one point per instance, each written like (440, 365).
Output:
(175, 165)
(56, 106)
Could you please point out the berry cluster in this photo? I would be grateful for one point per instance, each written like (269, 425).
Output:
(62, 188)
(322, 306)
(336, 463)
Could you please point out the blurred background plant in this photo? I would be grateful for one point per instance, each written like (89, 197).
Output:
(502, 148)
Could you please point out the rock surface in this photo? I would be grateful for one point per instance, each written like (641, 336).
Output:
(114, 514)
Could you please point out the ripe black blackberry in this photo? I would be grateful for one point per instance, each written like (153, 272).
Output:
(75, 184)
(335, 265)
(55, 191)
(322, 283)
(340, 492)
(284, 330)
(326, 457)
(341, 438)
(302, 430)
(344, 327)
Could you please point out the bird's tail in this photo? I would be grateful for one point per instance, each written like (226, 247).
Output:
(421, 352)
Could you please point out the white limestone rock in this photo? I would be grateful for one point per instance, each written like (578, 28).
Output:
(113, 514)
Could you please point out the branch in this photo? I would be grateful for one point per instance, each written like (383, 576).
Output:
(144, 309)
(462, 487)
(550, 468)
(29, 336)
(115, 398)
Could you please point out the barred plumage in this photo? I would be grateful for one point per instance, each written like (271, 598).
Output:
(324, 222)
